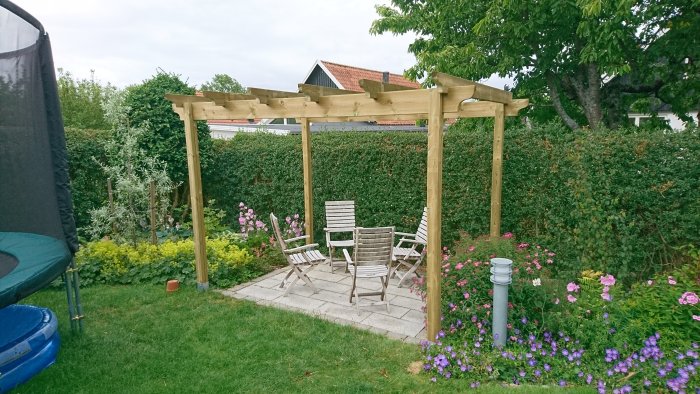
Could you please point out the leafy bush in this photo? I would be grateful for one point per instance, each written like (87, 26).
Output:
(615, 201)
(108, 262)
(584, 332)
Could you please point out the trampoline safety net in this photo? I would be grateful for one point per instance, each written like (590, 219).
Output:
(34, 185)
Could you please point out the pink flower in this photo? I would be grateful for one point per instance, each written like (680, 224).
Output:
(459, 266)
(508, 235)
(605, 295)
(241, 221)
(572, 287)
(607, 280)
(650, 282)
(571, 298)
(696, 317)
(466, 296)
(689, 298)
(471, 248)
(671, 281)
(487, 306)
(241, 205)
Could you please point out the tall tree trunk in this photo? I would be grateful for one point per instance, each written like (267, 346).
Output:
(556, 101)
(587, 85)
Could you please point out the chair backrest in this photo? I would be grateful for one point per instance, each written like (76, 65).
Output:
(373, 246)
(277, 232)
(340, 215)
(422, 233)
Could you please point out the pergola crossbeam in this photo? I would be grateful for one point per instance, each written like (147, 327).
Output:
(375, 87)
(315, 92)
(221, 98)
(481, 92)
(264, 95)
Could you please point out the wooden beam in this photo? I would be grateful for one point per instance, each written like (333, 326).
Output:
(434, 194)
(497, 171)
(315, 92)
(179, 99)
(264, 95)
(308, 180)
(375, 87)
(482, 92)
(406, 102)
(220, 98)
(195, 178)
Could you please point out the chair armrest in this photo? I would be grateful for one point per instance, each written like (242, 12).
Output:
(295, 239)
(301, 248)
(411, 241)
(404, 234)
(348, 259)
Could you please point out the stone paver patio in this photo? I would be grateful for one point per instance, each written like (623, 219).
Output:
(405, 319)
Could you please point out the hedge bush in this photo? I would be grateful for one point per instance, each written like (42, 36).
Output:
(620, 201)
(107, 262)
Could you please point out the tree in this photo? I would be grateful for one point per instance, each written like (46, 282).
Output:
(583, 57)
(164, 138)
(81, 101)
(131, 170)
(223, 83)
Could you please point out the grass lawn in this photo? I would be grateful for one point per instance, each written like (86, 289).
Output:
(140, 339)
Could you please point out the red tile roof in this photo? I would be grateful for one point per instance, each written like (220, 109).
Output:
(349, 76)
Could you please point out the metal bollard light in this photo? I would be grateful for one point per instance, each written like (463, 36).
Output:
(501, 278)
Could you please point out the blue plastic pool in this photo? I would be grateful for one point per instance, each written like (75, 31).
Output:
(29, 343)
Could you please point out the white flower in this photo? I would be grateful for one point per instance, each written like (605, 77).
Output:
(537, 282)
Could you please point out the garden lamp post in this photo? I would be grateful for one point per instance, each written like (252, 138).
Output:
(501, 278)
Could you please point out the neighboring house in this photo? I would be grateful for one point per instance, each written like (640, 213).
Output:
(332, 75)
(665, 113)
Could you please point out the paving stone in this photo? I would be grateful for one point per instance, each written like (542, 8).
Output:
(406, 302)
(300, 288)
(393, 324)
(415, 316)
(325, 276)
(257, 292)
(341, 299)
(334, 287)
(394, 310)
(301, 302)
(269, 283)
(347, 313)
(394, 335)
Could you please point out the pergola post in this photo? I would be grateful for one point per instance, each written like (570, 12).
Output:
(308, 180)
(497, 170)
(195, 178)
(434, 196)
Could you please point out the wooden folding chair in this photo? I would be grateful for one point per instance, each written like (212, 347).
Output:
(371, 259)
(410, 250)
(301, 259)
(340, 219)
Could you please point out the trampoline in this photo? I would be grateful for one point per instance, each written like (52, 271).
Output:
(37, 229)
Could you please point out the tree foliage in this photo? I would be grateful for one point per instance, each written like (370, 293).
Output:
(131, 170)
(223, 83)
(164, 136)
(81, 101)
(585, 58)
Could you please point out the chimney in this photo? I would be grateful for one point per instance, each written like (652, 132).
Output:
(385, 77)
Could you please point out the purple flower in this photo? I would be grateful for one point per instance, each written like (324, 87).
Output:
(571, 298)
(572, 287)
(689, 298)
(607, 280)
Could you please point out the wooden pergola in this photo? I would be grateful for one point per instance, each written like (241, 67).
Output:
(452, 98)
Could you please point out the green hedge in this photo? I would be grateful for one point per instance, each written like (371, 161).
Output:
(88, 181)
(619, 201)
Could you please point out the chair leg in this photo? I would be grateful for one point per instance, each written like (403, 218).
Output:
(385, 284)
(352, 290)
(409, 272)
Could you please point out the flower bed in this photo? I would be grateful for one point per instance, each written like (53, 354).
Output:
(588, 331)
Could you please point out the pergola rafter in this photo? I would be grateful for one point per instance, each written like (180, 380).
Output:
(452, 98)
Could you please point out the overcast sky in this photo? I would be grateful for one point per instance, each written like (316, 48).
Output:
(261, 43)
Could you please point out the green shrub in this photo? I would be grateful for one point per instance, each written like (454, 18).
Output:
(108, 262)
